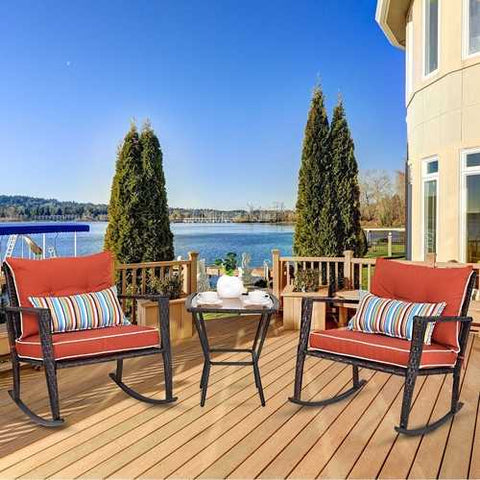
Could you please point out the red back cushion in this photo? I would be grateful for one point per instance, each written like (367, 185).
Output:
(58, 277)
(416, 283)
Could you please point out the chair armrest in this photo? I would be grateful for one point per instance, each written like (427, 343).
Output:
(42, 314)
(418, 336)
(44, 320)
(443, 319)
(33, 310)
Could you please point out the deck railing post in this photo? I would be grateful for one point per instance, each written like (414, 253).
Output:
(192, 280)
(347, 268)
(276, 273)
(430, 259)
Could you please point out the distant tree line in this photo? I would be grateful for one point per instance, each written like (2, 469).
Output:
(16, 207)
(382, 204)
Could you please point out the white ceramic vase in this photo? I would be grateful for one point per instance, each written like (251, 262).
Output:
(229, 286)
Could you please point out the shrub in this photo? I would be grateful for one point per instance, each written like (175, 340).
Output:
(228, 264)
(307, 280)
(171, 287)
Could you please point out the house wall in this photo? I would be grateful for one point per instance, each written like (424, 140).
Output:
(443, 119)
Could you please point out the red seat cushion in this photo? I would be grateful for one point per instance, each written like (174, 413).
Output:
(89, 343)
(57, 277)
(379, 348)
(416, 283)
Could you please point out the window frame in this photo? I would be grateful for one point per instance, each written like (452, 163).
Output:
(426, 75)
(427, 177)
(466, 32)
(464, 173)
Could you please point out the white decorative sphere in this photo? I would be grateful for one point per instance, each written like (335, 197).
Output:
(229, 287)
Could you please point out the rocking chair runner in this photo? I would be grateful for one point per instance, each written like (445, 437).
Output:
(393, 355)
(34, 343)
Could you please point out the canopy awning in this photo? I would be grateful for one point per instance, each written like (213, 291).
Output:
(32, 228)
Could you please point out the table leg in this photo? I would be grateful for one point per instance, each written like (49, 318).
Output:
(257, 350)
(202, 335)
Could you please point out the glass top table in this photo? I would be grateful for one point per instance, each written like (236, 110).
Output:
(239, 306)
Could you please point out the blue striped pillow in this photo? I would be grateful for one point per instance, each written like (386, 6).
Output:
(84, 311)
(393, 317)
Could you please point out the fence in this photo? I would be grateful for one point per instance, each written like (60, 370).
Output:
(345, 272)
(386, 242)
(137, 277)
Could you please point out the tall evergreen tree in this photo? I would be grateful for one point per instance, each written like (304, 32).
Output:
(156, 233)
(345, 184)
(123, 237)
(315, 230)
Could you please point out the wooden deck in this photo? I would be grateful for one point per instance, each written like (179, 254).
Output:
(111, 435)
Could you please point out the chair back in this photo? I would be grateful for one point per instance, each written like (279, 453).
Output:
(54, 277)
(419, 283)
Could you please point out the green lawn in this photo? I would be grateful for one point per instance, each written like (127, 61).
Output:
(382, 251)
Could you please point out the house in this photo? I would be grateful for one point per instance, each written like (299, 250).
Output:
(441, 39)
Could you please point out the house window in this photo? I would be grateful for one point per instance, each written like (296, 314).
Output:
(431, 30)
(472, 27)
(430, 206)
(471, 201)
(409, 60)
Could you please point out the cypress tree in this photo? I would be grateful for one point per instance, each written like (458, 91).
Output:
(345, 184)
(156, 233)
(123, 236)
(316, 222)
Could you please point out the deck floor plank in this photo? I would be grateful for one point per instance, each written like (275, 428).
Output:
(111, 435)
(261, 429)
(252, 465)
(247, 426)
(474, 470)
(456, 461)
(432, 447)
(101, 411)
(238, 418)
(230, 439)
(377, 448)
(332, 424)
(147, 421)
(400, 458)
(95, 384)
(346, 454)
(176, 429)
(318, 419)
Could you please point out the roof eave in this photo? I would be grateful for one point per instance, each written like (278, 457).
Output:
(381, 17)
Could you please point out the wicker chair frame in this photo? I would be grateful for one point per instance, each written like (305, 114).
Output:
(411, 372)
(51, 365)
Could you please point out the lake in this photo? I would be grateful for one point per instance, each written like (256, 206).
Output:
(210, 240)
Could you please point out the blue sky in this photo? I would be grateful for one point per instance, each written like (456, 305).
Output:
(226, 84)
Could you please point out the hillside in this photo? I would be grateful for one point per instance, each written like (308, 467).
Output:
(17, 207)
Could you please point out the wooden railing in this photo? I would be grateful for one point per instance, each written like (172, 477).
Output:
(136, 277)
(345, 272)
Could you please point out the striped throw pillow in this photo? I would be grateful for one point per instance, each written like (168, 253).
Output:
(393, 317)
(84, 311)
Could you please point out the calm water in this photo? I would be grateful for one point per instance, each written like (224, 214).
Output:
(210, 240)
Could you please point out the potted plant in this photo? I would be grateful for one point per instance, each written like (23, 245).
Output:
(228, 285)
(180, 320)
(306, 283)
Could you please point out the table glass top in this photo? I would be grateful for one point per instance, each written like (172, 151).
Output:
(242, 303)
